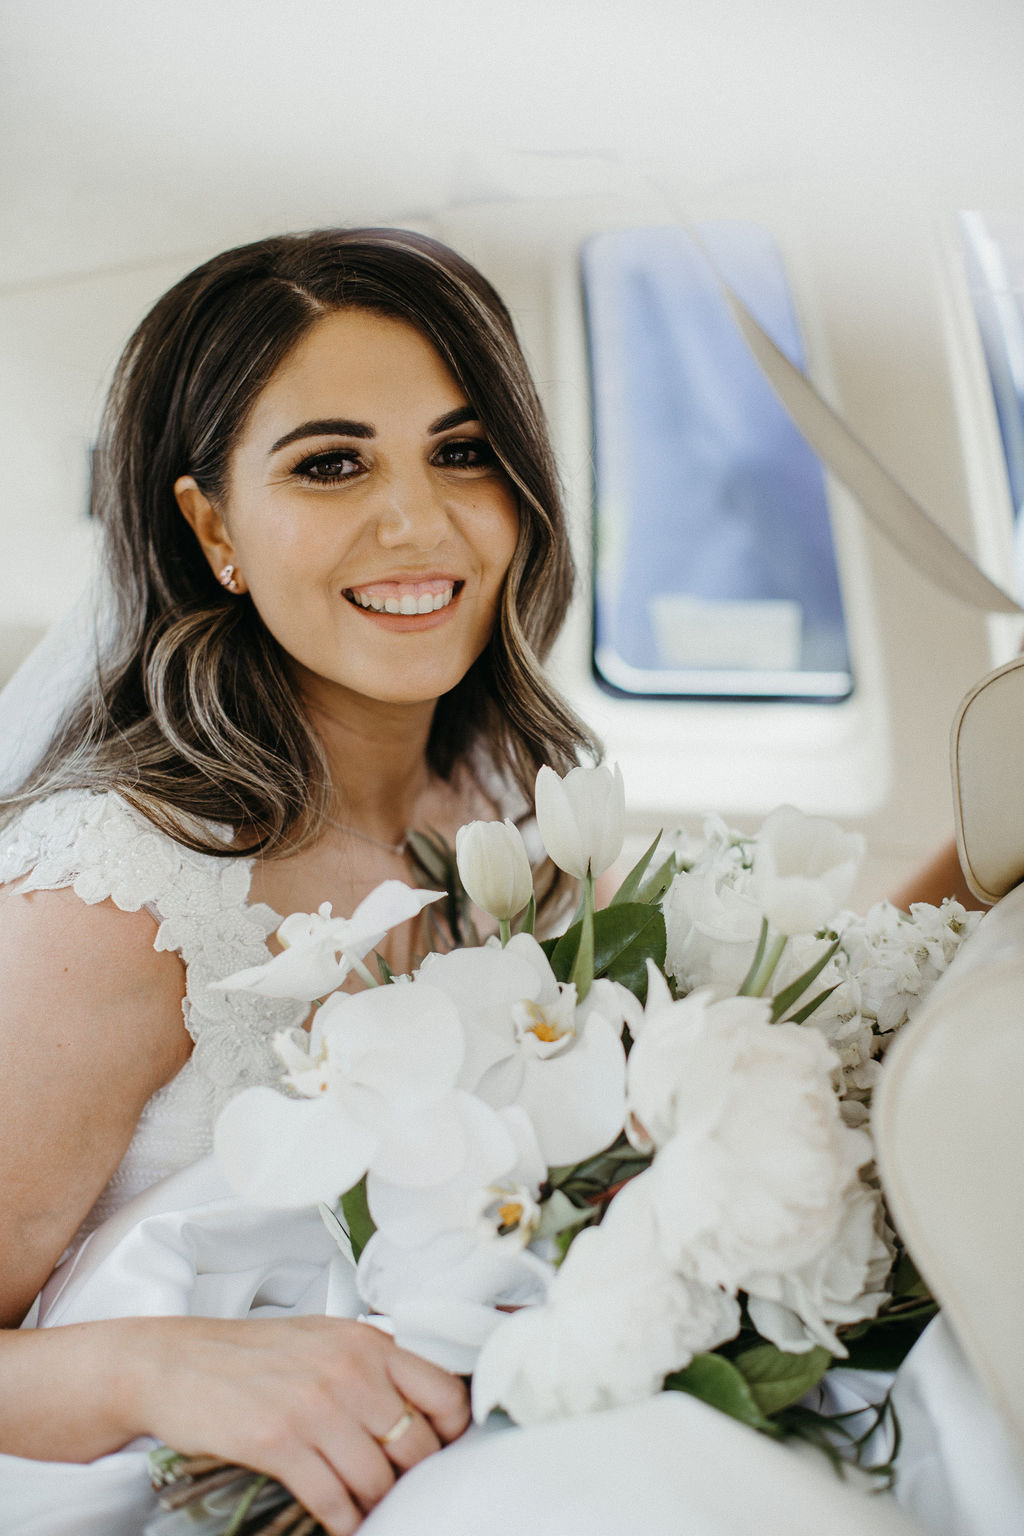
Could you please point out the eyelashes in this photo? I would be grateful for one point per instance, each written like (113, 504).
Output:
(327, 468)
(335, 465)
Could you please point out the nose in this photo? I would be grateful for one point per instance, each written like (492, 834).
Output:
(412, 513)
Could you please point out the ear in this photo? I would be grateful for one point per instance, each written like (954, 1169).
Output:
(209, 528)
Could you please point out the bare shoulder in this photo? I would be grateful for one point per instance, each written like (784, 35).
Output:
(56, 947)
(91, 1027)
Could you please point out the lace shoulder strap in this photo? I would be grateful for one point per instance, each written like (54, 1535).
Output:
(103, 849)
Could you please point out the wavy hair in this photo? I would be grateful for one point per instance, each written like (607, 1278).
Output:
(193, 715)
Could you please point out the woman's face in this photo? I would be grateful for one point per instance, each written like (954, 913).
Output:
(366, 514)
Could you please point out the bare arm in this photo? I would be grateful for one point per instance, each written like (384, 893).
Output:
(942, 876)
(91, 1026)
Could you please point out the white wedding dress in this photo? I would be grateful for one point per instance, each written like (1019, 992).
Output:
(167, 1237)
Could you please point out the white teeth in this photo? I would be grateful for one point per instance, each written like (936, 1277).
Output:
(407, 604)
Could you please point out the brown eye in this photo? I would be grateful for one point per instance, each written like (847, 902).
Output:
(327, 468)
(467, 453)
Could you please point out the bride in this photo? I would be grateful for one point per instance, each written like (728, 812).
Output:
(336, 560)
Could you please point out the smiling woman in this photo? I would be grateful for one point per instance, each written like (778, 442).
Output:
(374, 548)
(262, 396)
(337, 559)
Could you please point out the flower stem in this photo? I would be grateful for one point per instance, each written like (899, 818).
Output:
(583, 966)
(362, 970)
(504, 930)
(755, 984)
(244, 1505)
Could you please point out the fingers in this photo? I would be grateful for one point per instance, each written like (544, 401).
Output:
(408, 1438)
(440, 1397)
(340, 1480)
(317, 1486)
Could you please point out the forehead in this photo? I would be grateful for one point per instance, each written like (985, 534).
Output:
(361, 366)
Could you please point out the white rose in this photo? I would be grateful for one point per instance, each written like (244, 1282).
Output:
(616, 1321)
(753, 1153)
(845, 1283)
(711, 931)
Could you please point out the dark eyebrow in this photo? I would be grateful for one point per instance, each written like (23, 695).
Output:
(453, 419)
(334, 426)
(330, 427)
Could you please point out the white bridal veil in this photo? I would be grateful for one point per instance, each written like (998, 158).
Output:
(50, 678)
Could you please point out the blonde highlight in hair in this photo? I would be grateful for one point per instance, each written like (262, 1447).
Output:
(193, 714)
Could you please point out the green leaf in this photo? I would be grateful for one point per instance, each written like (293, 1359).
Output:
(356, 1211)
(716, 1380)
(655, 886)
(755, 964)
(907, 1282)
(785, 999)
(622, 955)
(627, 891)
(387, 975)
(803, 1014)
(432, 854)
(624, 937)
(529, 918)
(558, 1214)
(777, 1379)
(885, 1345)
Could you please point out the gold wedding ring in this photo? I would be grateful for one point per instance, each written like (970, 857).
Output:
(398, 1428)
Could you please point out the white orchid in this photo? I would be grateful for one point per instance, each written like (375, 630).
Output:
(581, 818)
(318, 951)
(495, 867)
(804, 868)
(377, 1084)
(493, 1195)
(529, 1044)
(443, 1297)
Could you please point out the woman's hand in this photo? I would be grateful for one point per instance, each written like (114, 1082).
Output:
(308, 1400)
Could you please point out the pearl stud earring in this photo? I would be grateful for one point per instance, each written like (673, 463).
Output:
(227, 578)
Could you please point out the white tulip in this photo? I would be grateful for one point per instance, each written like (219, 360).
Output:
(582, 818)
(804, 868)
(495, 867)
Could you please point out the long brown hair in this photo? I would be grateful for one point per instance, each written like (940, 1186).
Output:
(193, 716)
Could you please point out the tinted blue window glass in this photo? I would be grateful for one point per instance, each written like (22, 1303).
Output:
(715, 572)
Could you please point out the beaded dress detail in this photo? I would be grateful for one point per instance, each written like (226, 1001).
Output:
(101, 848)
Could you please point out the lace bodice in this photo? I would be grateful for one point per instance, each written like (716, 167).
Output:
(101, 848)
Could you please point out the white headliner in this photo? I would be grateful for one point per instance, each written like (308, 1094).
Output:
(137, 130)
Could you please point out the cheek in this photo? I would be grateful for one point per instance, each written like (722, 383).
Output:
(504, 538)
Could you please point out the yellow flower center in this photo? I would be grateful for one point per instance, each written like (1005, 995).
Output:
(509, 1217)
(545, 1023)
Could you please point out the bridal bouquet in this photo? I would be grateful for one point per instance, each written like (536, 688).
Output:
(636, 1156)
